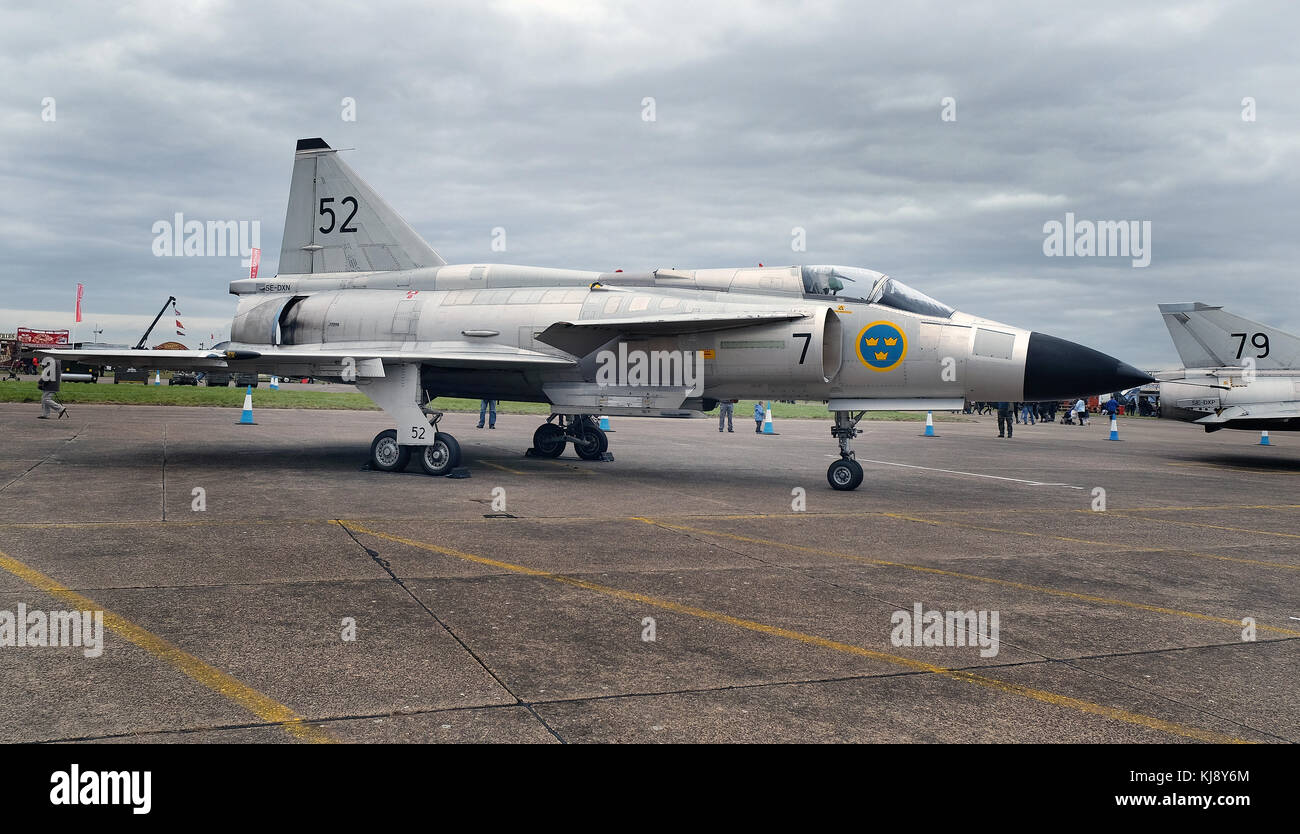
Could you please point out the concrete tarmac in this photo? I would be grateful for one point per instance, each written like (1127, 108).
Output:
(703, 586)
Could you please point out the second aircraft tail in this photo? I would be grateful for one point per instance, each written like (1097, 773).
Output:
(1211, 337)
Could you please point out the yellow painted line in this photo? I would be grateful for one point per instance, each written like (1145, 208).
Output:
(502, 468)
(1043, 696)
(213, 678)
(970, 576)
(1128, 514)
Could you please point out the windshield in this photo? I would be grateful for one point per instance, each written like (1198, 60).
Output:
(853, 283)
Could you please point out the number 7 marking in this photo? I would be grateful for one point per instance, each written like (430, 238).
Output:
(807, 340)
(1240, 345)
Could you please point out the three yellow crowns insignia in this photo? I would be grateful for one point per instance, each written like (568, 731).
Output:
(876, 335)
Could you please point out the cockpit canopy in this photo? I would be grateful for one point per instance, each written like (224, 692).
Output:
(853, 283)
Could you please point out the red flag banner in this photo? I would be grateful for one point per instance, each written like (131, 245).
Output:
(81, 289)
(256, 259)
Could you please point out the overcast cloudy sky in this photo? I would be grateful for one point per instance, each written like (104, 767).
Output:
(768, 116)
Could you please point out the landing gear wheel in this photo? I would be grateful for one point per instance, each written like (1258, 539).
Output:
(592, 442)
(845, 474)
(548, 440)
(442, 456)
(385, 453)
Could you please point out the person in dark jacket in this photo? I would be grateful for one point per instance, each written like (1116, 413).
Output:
(1006, 419)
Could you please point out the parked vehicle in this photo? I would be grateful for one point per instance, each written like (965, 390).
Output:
(130, 375)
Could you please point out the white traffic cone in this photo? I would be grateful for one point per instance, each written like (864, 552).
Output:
(246, 419)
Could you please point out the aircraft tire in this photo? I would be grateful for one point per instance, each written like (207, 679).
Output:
(386, 454)
(593, 445)
(442, 456)
(548, 440)
(845, 474)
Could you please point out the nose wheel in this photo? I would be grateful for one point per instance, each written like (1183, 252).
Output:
(845, 474)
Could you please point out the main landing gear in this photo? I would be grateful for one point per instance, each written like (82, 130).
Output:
(579, 429)
(845, 473)
(438, 458)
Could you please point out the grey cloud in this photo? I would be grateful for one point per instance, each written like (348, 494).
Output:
(818, 115)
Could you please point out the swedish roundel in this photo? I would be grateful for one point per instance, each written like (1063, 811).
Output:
(882, 345)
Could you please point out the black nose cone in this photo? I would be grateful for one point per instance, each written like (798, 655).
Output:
(1056, 370)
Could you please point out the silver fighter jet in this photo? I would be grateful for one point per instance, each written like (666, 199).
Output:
(1237, 373)
(361, 298)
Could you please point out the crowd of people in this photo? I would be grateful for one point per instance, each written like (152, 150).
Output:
(1073, 413)
(1045, 412)
(1026, 413)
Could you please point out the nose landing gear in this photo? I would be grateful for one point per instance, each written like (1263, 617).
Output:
(845, 473)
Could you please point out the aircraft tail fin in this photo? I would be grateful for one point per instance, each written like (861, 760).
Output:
(1211, 337)
(337, 223)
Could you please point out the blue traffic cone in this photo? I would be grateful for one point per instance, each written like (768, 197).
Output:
(604, 423)
(768, 428)
(1263, 438)
(929, 425)
(1114, 429)
(246, 419)
(157, 378)
(275, 383)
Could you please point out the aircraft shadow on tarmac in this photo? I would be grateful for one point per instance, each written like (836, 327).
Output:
(1288, 465)
(329, 458)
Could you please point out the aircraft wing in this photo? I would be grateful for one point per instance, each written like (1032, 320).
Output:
(293, 359)
(1254, 411)
(582, 337)
(162, 359)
